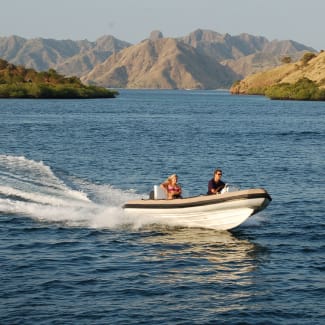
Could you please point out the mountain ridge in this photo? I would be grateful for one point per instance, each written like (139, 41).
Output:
(160, 63)
(43, 54)
(240, 55)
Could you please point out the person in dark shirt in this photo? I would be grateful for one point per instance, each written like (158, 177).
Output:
(215, 184)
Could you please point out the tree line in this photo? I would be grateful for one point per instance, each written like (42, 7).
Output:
(21, 82)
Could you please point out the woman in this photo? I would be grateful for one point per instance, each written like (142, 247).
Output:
(171, 188)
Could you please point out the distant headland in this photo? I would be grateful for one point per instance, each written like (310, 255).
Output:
(301, 80)
(20, 82)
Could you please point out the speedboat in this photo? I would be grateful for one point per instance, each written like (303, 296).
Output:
(219, 211)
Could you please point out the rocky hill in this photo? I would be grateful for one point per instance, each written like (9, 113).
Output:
(311, 66)
(66, 56)
(244, 54)
(224, 46)
(161, 63)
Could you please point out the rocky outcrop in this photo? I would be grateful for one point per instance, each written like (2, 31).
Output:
(244, 54)
(156, 34)
(224, 46)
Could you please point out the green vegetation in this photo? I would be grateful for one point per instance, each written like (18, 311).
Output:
(256, 91)
(301, 80)
(19, 82)
(307, 57)
(303, 89)
(286, 59)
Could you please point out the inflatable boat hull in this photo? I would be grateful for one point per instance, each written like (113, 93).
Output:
(221, 212)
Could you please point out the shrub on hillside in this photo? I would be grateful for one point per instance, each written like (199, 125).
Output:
(307, 57)
(303, 89)
(31, 90)
(286, 59)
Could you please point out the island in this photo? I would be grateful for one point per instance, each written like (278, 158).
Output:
(21, 82)
(301, 80)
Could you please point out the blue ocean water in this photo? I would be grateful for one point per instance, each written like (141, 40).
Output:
(70, 256)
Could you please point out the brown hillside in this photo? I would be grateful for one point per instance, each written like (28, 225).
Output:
(245, 54)
(289, 73)
(66, 56)
(161, 63)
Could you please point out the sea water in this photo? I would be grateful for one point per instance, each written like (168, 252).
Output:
(69, 255)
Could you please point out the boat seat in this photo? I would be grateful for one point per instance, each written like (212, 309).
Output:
(158, 193)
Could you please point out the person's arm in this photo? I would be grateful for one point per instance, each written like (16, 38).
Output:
(220, 187)
(164, 187)
(211, 189)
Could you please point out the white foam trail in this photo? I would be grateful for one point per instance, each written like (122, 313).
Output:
(30, 188)
(30, 176)
(37, 197)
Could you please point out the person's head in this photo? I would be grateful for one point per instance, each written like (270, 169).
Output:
(173, 178)
(217, 174)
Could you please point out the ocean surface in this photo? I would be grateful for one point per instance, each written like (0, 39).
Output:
(68, 254)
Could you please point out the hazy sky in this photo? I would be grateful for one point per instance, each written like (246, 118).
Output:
(133, 20)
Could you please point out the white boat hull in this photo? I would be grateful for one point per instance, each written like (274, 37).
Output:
(221, 212)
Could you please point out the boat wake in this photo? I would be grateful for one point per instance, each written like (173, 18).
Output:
(31, 189)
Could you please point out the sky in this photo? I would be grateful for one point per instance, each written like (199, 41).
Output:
(133, 20)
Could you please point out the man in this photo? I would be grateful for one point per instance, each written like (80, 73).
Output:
(216, 184)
